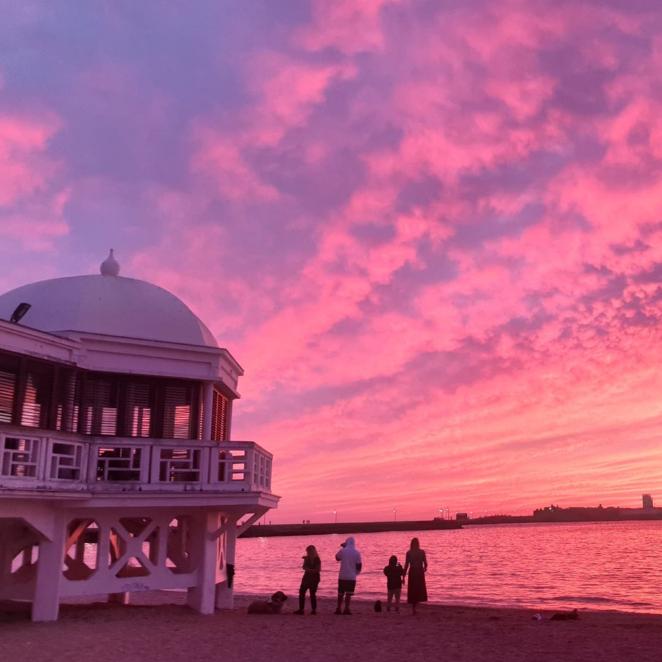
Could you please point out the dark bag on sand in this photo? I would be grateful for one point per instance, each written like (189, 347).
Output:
(378, 606)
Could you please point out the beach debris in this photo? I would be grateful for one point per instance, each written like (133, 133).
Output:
(565, 615)
(537, 617)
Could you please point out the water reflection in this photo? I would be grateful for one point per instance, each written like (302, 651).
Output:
(606, 565)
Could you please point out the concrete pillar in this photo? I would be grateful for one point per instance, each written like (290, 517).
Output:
(201, 596)
(46, 600)
(225, 589)
(207, 407)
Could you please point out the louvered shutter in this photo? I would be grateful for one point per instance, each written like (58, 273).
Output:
(7, 395)
(37, 395)
(139, 406)
(219, 417)
(177, 420)
(67, 393)
(99, 405)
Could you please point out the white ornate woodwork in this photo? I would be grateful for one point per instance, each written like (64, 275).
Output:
(85, 511)
(105, 464)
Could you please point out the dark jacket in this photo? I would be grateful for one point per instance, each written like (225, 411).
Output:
(393, 576)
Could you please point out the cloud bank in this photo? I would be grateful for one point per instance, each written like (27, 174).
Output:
(431, 232)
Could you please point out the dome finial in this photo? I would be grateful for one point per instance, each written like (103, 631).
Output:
(110, 266)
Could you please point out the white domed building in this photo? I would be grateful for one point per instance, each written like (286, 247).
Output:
(117, 473)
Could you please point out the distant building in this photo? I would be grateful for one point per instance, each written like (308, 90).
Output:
(461, 517)
(647, 501)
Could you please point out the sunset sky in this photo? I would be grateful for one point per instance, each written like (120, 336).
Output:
(429, 230)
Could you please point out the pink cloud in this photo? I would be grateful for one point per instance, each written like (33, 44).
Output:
(431, 234)
(24, 168)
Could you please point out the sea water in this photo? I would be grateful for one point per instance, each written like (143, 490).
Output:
(606, 565)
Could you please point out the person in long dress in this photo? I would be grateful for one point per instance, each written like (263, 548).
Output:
(416, 564)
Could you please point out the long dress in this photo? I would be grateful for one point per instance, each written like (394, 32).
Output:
(416, 589)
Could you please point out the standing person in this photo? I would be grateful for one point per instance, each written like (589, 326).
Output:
(417, 564)
(350, 567)
(312, 567)
(394, 574)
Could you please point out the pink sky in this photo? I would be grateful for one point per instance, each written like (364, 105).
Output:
(431, 232)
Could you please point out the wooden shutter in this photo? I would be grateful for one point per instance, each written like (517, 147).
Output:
(219, 417)
(7, 394)
(177, 410)
(35, 410)
(67, 394)
(99, 405)
(139, 407)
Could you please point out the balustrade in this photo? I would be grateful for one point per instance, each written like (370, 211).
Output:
(97, 465)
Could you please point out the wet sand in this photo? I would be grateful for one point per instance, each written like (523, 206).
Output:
(167, 630)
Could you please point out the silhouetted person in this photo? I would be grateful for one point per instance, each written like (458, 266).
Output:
(350, 567)
(417, 564)
(312, 566)
(394, 577)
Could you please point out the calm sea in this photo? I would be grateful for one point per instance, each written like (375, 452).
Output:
(611, 565)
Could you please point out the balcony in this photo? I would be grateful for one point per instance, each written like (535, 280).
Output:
(104, 465)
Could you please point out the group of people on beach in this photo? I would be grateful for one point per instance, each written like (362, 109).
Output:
(351, 564)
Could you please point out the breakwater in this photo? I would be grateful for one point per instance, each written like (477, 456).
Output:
(324, 528)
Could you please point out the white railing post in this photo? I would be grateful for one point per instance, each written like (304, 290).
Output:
(43, 459)
(146, 463)
(204, 467)
(249, 467)
(154, 460)
(92, 455)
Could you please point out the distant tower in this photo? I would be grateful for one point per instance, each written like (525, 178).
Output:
(117, 472)
(647, 501)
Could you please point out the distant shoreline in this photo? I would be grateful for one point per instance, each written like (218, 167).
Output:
(561, 516)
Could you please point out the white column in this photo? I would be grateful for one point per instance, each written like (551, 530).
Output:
(201, 596)
(225, 593)
(5, 556)
(46, 600)
(229, 417)
(208, 403)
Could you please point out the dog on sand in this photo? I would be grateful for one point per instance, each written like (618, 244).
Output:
(272, 606)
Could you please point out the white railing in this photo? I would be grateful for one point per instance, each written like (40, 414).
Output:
(98, 464)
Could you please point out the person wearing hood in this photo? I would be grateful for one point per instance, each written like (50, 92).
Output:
(350, 567)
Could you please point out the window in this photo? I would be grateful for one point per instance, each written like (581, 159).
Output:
(99, 405)
(177, 411)
(37, 395)
(139, 406)
(219, 416)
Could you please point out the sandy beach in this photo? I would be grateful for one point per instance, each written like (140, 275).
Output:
(170, 631)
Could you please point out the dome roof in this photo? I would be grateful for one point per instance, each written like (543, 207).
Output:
(110, 305)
